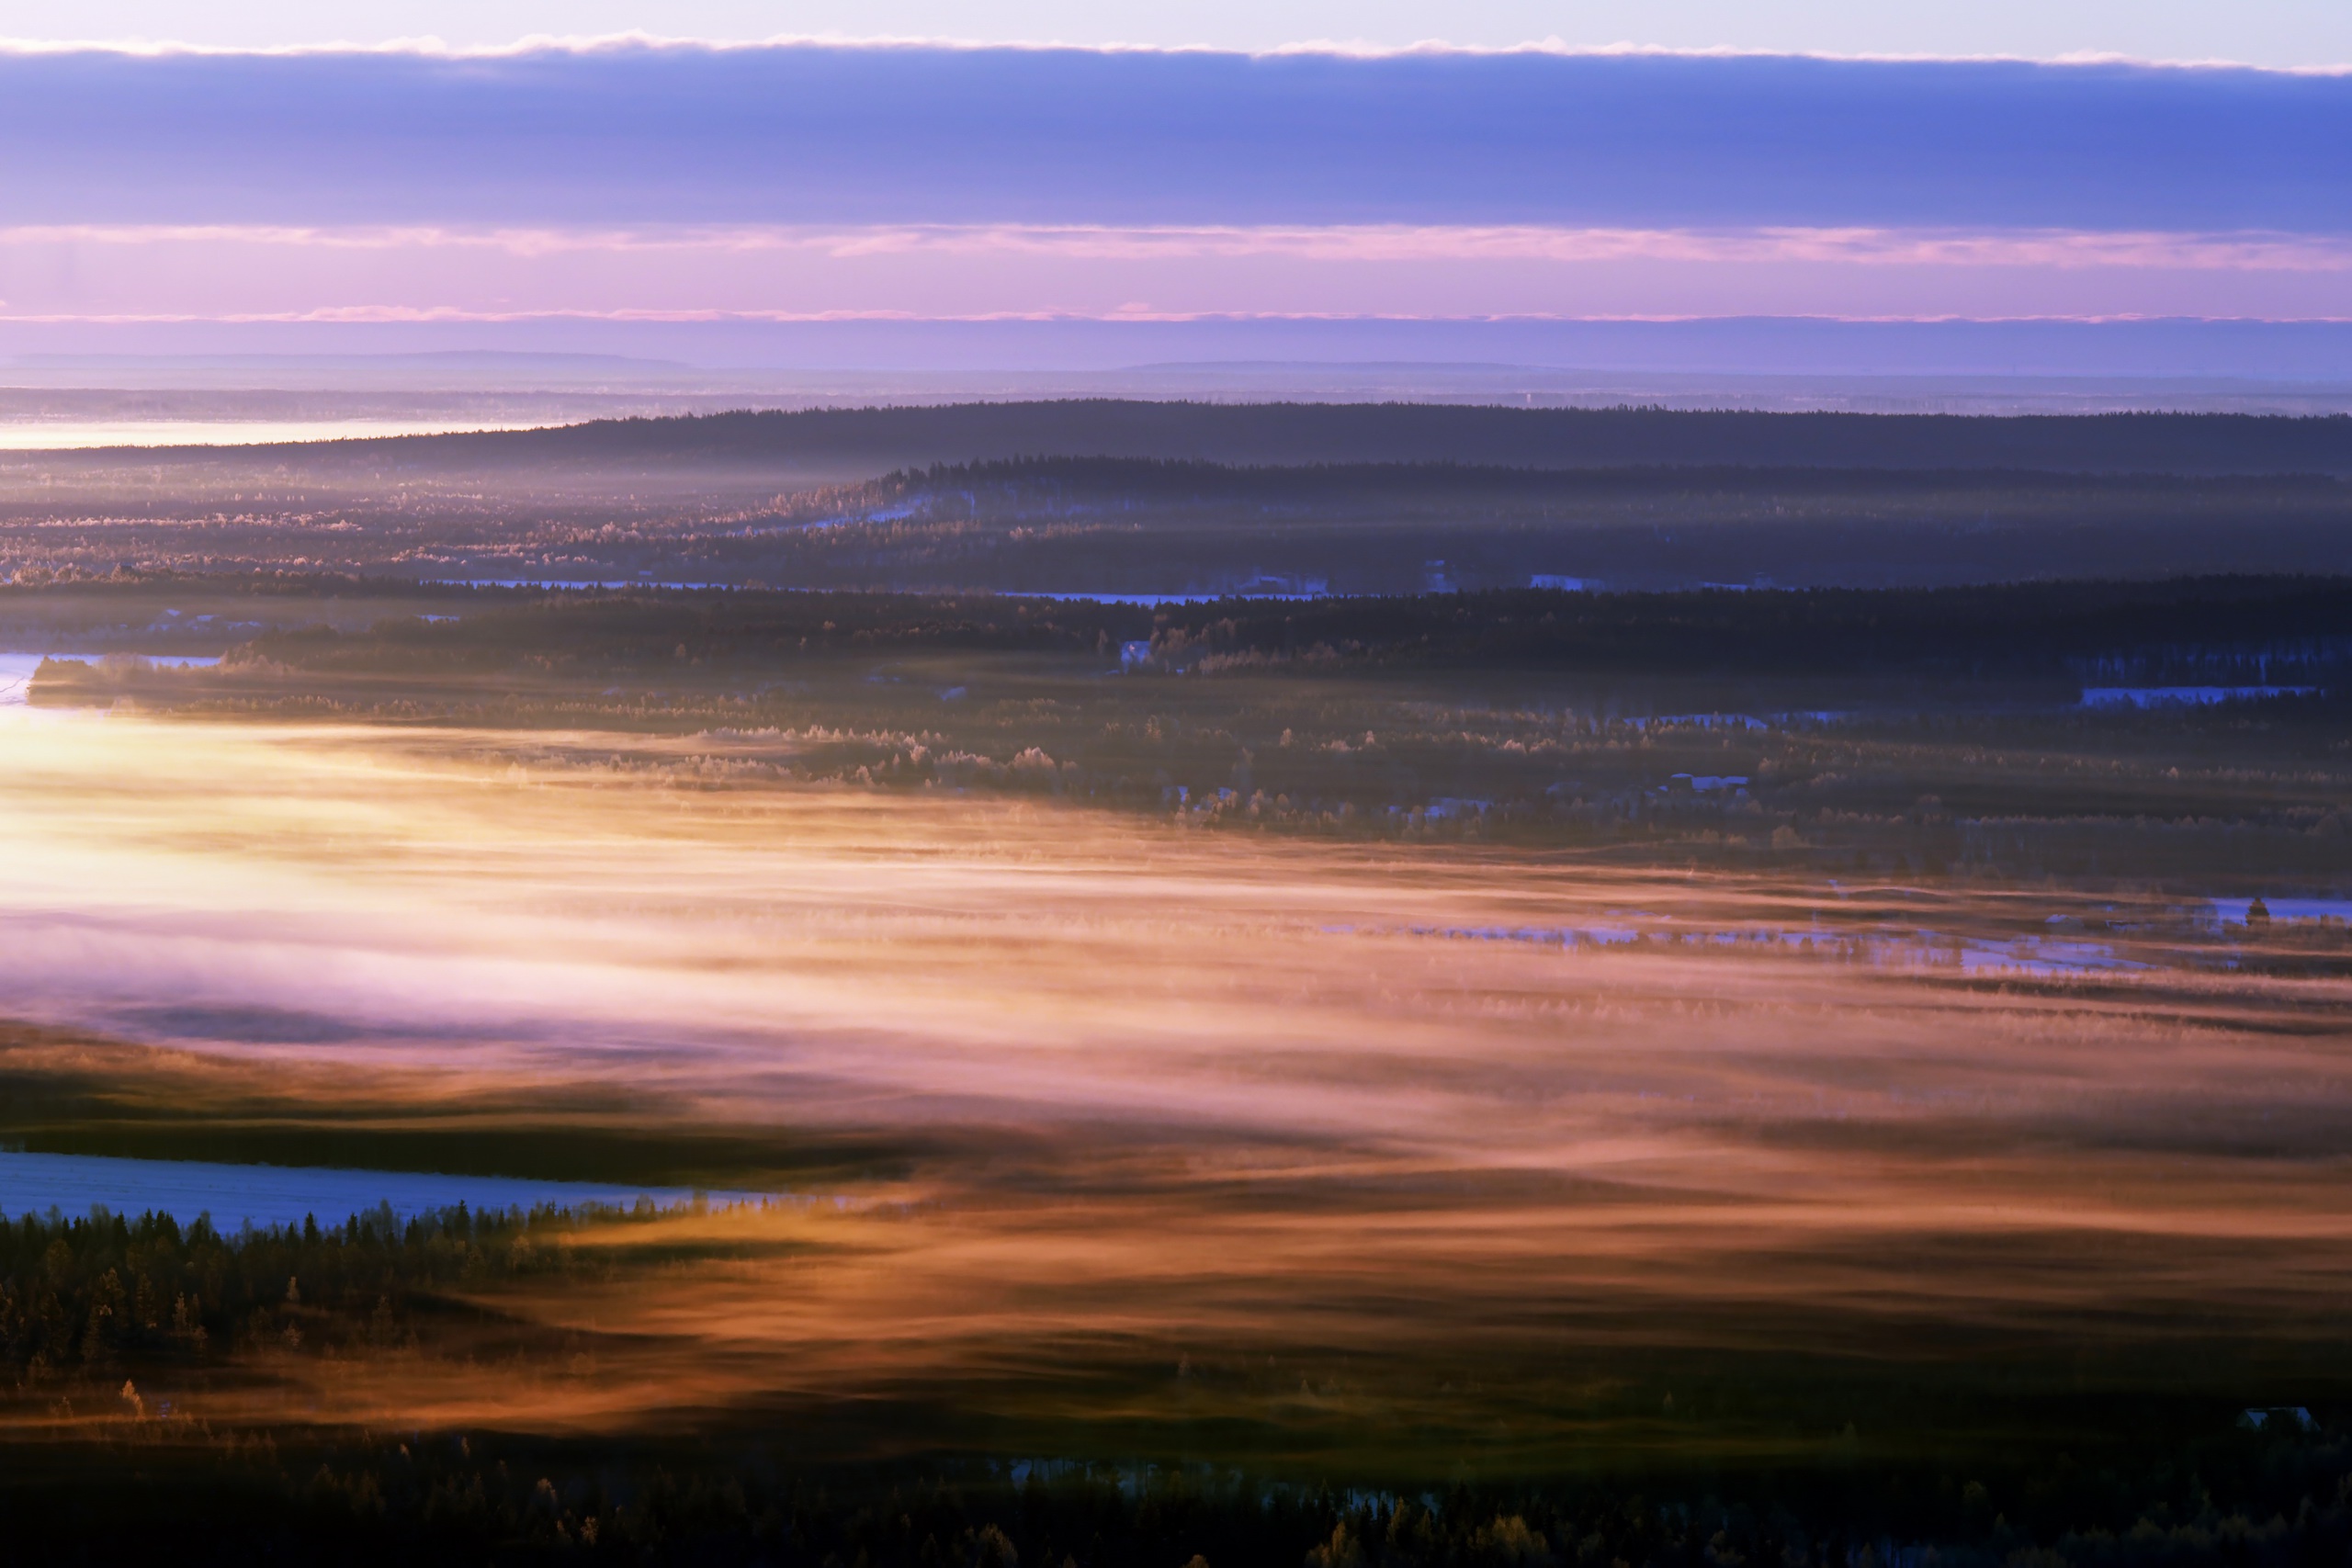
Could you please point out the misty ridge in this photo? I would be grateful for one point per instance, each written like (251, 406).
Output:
(1210, 499)
(818, 440)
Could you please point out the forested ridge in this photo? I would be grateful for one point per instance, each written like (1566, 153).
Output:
(1279, 434)
(2247, 629)
(1166, 479)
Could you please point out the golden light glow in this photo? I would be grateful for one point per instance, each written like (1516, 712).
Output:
(1189, 1096)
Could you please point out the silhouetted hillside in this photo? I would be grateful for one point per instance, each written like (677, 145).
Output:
(874, 440)
(1020, 481)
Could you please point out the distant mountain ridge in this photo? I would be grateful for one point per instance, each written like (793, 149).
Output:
(869, 442)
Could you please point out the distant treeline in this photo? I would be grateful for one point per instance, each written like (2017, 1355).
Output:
(2130, 630)
(2250, 1500)
(102, 1294)
(1164, 480)
(880, 439)
(2006, 631)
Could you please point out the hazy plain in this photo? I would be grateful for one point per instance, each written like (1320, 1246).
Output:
(1344, 1153)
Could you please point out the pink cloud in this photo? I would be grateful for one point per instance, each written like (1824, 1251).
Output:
(427, 272)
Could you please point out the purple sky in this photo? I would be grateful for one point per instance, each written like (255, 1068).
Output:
(589, 195)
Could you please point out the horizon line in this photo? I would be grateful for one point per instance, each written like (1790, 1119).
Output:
(430, 47)
(455, 315)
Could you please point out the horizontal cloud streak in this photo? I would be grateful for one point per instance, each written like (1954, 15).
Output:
(797, 183)
(2261, 252)
(226, 272)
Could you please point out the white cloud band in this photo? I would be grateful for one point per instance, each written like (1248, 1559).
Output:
(226, 272)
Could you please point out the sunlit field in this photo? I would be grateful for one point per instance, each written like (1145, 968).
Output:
(1089, 1135)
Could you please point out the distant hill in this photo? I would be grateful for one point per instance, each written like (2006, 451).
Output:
(1043, 482)
(845, 442)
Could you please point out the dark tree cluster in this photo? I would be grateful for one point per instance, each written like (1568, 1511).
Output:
(2250, 1500)
(97, 1294)
(1018, 483)
(2279, 628)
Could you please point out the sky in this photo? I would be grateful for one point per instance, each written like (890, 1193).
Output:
(2278, 33)
(293, 178)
